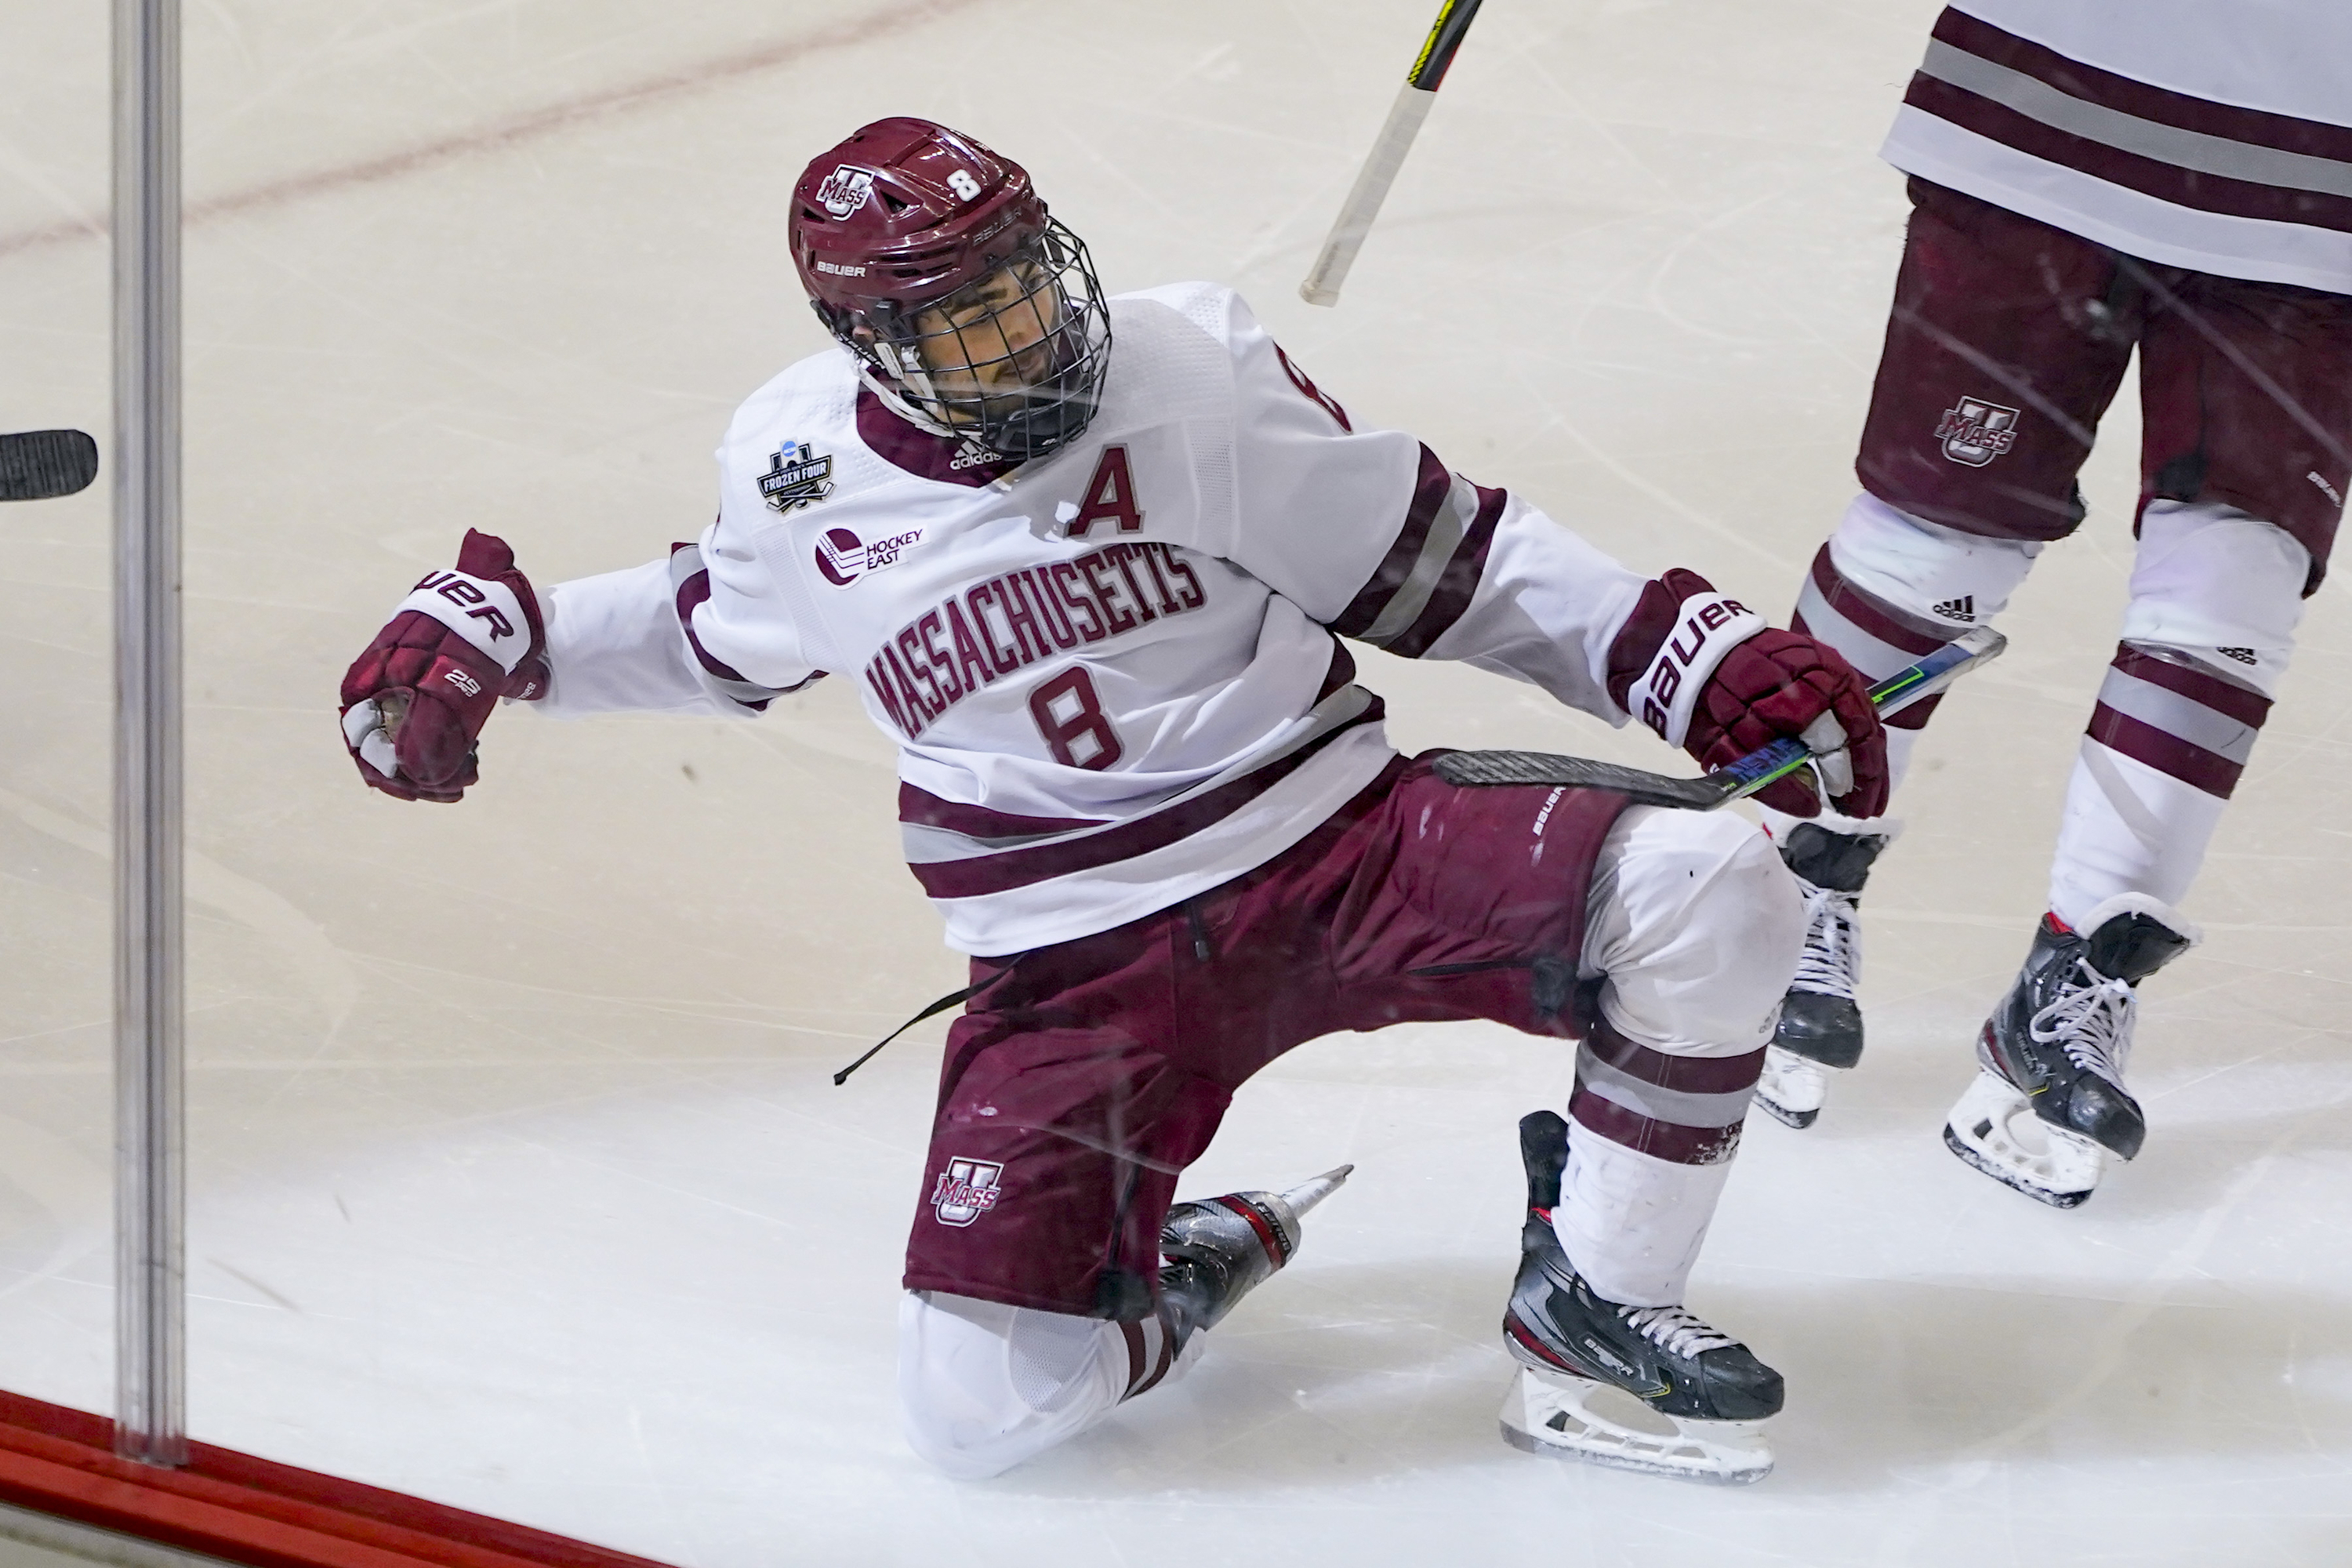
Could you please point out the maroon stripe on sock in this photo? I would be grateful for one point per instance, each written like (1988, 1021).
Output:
(1873, 614)
(2167, 754)
(1133, 1334)
(1692, 1074)
(2200, 686)
(1647, 1135)
(2256, 127)
(1459, 583)
(1429, 493)
(2166, 181)
(1167, 1356)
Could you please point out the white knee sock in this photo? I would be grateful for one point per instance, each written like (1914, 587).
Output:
(1695, 926)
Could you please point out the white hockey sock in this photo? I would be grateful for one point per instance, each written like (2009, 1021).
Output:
(2216, 596)
(1694, 928)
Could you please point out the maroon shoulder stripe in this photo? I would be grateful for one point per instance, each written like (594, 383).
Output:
(2248, 708)
(2143, 742)
(1429, 492)
(2256, 127)
(2165, 182)
(1459, 582)
(1009, 868)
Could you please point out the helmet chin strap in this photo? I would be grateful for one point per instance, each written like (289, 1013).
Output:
(904, 408)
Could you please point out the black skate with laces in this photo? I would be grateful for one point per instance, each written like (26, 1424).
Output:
(2057, 1044)
(1820, 1021)
(1573, 1344)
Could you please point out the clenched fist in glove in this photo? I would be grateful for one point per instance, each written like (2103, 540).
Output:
(417, 699)
(1706, 672)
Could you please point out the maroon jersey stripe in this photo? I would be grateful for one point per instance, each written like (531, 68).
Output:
(1011, 868)
(1647, 1135)
(2191, 764)
(925, 809)
(2248, 708)
(904, 445)
(1459, 582)
(1692, 1074)
(1429, 493)
(2165, 182)
(2256, 127)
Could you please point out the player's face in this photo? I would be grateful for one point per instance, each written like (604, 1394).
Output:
(989, 346)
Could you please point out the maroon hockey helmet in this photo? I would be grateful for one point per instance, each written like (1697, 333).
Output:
(967, 306)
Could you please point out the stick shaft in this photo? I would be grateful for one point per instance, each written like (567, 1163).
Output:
(1332, 263)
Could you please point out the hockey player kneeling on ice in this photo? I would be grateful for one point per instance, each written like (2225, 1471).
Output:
(2032, 273)
(1096, 596)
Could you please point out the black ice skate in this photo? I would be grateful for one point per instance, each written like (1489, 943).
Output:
(1821, 1022)
(1571, 1345)
(1217, 1250)
(2056, 1045)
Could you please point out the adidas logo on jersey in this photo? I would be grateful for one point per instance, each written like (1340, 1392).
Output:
(1963, 608)
(972, 455)
(2242, 654)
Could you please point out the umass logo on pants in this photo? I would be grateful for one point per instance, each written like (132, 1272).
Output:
(1975, 432)
(966, 1190)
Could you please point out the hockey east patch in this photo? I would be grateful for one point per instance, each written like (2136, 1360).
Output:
(966, 1190)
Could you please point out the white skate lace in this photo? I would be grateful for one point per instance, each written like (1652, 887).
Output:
(1831, 960)
(1674, 1330)
(2091, 1021)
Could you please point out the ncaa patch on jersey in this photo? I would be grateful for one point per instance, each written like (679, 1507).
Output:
(966, 1190)
(797, 476)
(842, 558)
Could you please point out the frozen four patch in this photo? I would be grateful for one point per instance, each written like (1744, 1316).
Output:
(797, 476)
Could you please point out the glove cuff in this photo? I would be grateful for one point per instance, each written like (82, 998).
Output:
(1678, 634)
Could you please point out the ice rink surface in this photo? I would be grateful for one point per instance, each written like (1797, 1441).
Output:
(519, 1180)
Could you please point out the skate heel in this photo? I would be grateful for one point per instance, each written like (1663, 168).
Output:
(1994, 1129)
(1555, 1414)
(1791, 1089)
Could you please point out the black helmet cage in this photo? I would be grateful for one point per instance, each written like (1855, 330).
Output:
(1059, 321)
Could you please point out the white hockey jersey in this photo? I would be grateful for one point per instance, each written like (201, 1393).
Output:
(1112, 673)
(2215, 134)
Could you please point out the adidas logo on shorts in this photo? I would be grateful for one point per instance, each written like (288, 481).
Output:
(2242, 654)
(1963, 608)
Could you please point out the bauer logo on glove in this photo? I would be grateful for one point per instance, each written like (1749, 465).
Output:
(414, 702)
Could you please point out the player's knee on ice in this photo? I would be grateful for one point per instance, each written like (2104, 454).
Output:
(1696, 926)
(983, 1386)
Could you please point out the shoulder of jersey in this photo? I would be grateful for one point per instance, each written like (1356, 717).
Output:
(1171, 356)
(792, 449)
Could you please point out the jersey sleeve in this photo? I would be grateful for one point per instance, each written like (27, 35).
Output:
(1371, 533)
(701, 631)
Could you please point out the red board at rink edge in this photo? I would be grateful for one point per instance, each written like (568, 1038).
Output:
(61, 1462)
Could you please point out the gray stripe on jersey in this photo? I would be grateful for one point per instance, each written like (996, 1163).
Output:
(1874, 658)
(2037, 99)
(2183, 718)
(929, 846)
(1677, 1106)
(1412, 597)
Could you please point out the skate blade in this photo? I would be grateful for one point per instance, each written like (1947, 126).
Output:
(1550, 1413)
(1791, 1089)
(1315, 1189)
(1983, 1129)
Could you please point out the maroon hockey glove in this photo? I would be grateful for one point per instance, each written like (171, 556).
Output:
(1709, 676)
(417, 699)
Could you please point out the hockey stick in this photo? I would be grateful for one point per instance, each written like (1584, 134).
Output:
(1751, 772)
(41, 465)
(1411, 107)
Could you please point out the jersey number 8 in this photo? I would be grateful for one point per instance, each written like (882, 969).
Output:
(1070, 717)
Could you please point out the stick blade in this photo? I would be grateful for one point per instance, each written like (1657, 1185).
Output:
(1578, 773)
(42, 465)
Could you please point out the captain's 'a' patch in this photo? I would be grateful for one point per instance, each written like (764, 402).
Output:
(797, 476)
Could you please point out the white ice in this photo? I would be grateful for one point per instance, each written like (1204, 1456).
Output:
(517, 1178)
